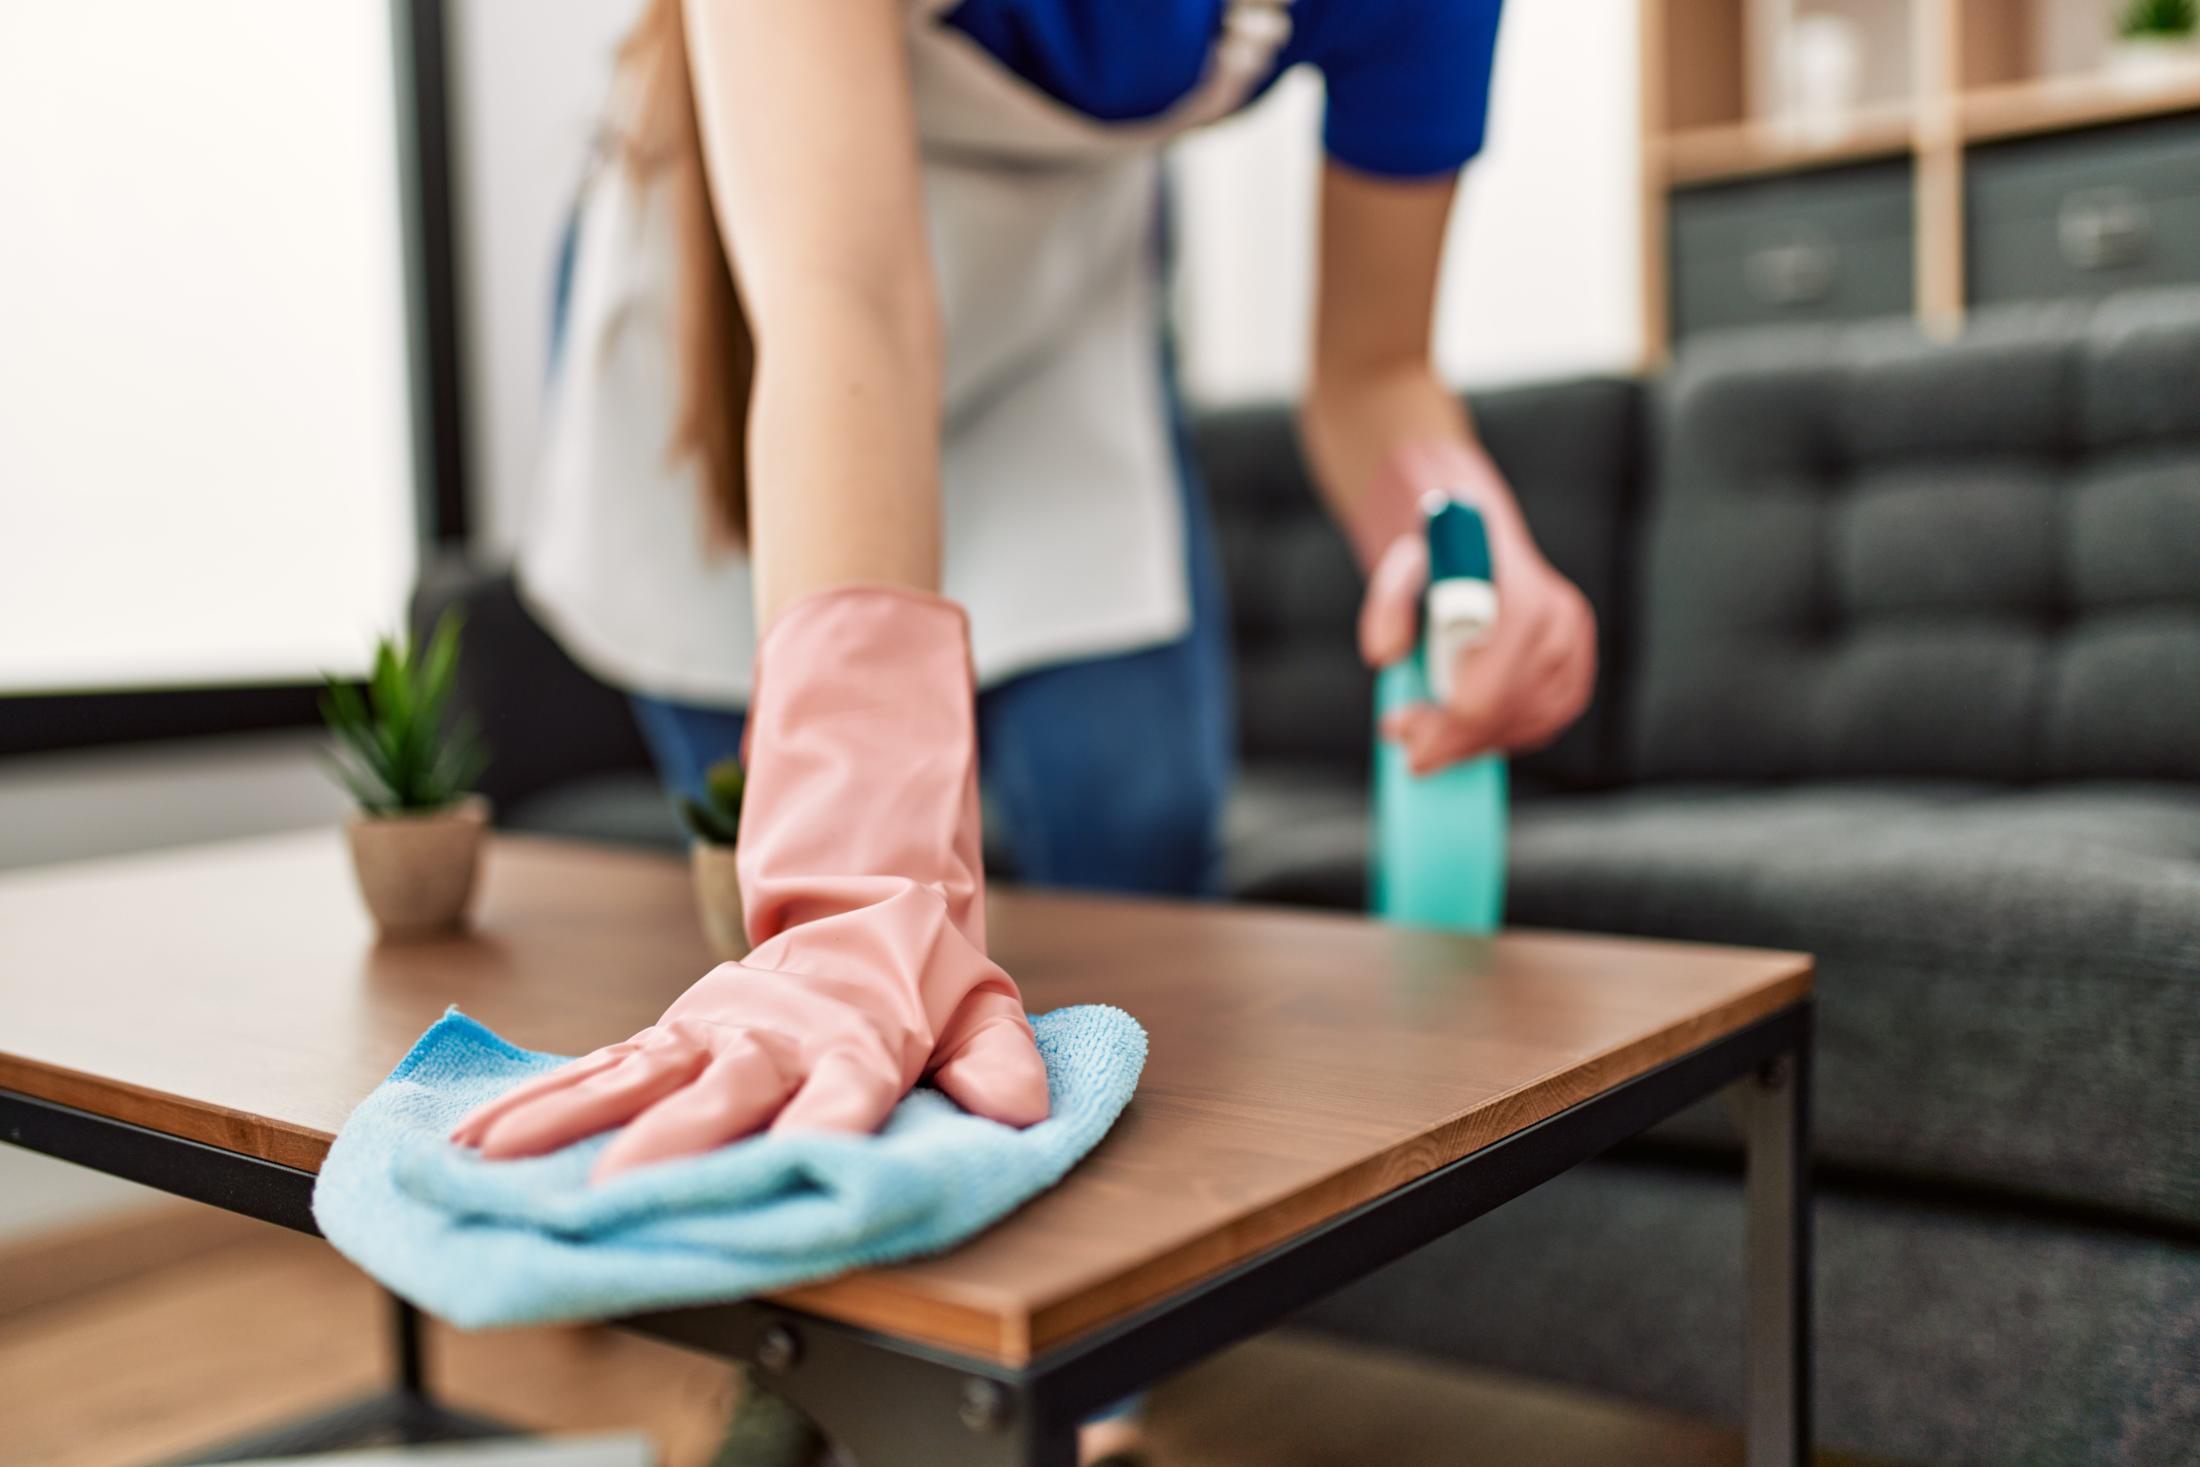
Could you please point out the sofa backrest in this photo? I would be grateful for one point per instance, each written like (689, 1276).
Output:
(544, 720)
(1870, 554)
(1571, 450)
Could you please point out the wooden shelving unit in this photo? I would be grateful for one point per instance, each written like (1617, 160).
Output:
(1745, 149)
(1940, 77)
(2054, 103)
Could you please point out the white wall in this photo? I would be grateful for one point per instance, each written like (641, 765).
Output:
(205, 456)
(1541, 275)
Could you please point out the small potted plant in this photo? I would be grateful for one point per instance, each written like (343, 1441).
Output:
(715, 822)
(416, 841)
(2155, 41)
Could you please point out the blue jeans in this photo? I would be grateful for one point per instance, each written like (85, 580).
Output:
(1108, 773)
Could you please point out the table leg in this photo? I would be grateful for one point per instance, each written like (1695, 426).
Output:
(877, 1442)
(407, 1414)
(407, 1352)
(1773, 1108)
(873, 1434)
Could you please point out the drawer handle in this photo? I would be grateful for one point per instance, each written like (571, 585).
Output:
(1791, 272)
(2103, 228)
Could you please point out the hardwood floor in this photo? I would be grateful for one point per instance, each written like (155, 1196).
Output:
(224, 1339)
(1297, 1400)
(278, 1326)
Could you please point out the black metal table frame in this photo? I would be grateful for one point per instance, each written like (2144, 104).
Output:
(897, 1403)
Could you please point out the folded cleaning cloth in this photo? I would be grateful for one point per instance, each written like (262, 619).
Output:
(523, 1242)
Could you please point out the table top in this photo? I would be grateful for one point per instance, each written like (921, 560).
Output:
(1301, 1063)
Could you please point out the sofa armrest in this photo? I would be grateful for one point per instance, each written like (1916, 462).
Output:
(545, 721)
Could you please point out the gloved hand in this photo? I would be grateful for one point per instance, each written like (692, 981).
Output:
(864, 891)
(1521, 686)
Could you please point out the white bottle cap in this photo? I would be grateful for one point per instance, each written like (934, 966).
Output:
(1461, 612)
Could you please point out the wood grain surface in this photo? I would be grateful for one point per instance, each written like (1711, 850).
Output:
(1301, 1063)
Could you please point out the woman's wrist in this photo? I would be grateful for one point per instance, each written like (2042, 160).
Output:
(1458, 467)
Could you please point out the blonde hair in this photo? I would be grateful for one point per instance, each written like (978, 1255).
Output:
(662, 146)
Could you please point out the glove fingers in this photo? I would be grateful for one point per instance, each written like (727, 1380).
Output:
(595, 1103)
(843, 1093)
(469, 1131)
(997, 1074)
(734, 1095)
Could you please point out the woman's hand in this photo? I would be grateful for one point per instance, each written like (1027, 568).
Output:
(1522, 685)
(747, 1048)
(864, 888)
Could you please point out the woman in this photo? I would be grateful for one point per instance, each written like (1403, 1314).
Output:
(912, 251)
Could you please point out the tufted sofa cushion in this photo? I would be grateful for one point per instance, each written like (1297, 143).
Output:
(2008, 978)
(1870, 554)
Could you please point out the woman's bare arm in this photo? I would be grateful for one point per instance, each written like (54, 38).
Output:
(809, 136)
(1382, 430)
(1374, 386)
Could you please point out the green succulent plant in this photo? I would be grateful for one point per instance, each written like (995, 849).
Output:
(2151, 18)
(394, 750)
(716, 818)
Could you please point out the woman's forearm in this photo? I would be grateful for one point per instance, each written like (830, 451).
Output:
(1379, 425)
(809, 136)
(844, 446)
(1357, 421)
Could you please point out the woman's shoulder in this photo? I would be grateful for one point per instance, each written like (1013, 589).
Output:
(1408, 81)
(1350, 31)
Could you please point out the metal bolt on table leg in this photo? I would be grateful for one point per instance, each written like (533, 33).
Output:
(984, 1405)
(779, 1350)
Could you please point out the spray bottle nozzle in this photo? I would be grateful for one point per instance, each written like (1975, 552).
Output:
(1458, 540)
(1461, 605)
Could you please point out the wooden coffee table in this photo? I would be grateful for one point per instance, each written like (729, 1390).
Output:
(1324, 1095)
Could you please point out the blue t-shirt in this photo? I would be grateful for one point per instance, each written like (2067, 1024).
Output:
(1408, 80)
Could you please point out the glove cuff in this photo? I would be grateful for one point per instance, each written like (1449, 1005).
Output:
(861, 750)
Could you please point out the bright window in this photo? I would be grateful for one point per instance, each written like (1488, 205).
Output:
(205, 459)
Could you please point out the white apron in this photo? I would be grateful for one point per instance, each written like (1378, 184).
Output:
(1063, 514)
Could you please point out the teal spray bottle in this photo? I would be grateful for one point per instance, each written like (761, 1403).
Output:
(1439, 852)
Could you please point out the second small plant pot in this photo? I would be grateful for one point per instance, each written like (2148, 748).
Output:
(2145, 63)
(416, 871)
(718, 899)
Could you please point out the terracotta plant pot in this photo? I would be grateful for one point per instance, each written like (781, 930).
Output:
(416, 871)
(718, 898)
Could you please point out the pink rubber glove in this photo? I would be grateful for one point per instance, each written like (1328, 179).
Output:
(865, 895)
(1521, 686)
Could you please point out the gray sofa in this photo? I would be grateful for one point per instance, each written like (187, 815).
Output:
(1902, 668)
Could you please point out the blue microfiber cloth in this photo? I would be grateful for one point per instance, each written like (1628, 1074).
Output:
(524, 1242)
